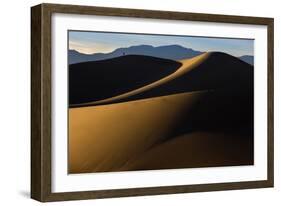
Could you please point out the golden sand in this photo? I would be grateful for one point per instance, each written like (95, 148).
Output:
(104, 138)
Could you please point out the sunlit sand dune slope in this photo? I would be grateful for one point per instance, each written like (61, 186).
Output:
(103, 138)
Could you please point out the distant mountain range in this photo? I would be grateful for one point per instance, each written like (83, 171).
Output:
(248, 59)
(172, 52)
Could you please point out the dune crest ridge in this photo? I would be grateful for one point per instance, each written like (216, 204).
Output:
(187, 65)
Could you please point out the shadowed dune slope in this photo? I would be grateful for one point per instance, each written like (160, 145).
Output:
(214, 71)
(188, 65)
(209, 71)
(198, 149)
(93, 81)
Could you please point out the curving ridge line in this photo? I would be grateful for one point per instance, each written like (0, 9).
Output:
(187, 65)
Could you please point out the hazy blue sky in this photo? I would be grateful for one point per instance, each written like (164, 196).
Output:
(96, 42)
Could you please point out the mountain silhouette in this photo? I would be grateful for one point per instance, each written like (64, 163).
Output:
(173, 52)
(248, 59)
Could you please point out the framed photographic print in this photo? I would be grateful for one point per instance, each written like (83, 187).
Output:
(132, 102)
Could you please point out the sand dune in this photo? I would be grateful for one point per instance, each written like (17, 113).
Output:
(201, 114)
(187, 65)
(93, 81)
(213, 70)
(217, 71)
(103, 138)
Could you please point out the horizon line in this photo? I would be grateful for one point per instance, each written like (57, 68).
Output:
(152, 47)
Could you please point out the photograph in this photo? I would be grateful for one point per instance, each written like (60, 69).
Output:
(141, 102)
